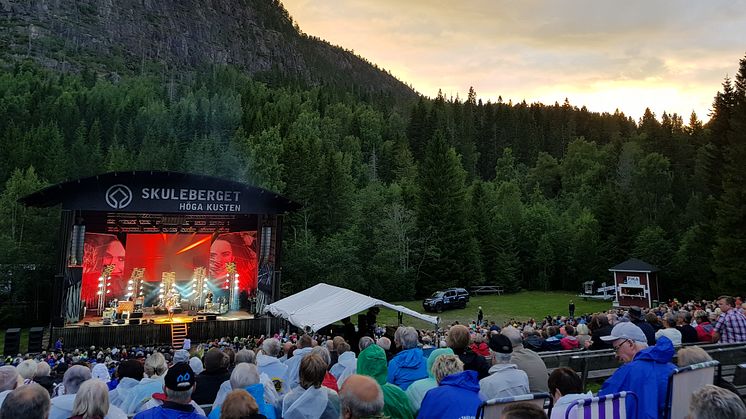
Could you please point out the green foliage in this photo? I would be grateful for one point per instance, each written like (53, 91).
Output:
(401, 200)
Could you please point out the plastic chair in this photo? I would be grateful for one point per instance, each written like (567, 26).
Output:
(683, 382)
(493, 408)
(611, 406)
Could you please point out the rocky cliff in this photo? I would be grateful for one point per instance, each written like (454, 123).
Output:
(134, 36)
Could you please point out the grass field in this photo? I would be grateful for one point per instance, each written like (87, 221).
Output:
(501, 308)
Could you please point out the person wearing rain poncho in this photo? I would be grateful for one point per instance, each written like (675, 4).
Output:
(372, 362)
(245, 376)
(311, 400)
(416, 391)
(138, 395)
(346, 364)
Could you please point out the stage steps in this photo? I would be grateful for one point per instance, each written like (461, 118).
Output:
(179, 332)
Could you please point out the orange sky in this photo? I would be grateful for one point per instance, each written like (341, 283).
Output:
(667, 55)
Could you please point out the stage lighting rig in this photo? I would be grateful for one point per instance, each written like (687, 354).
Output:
(104, 282)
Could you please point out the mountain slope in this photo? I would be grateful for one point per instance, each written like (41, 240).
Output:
(170, 37)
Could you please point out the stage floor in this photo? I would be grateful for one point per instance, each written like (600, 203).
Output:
(97, 321)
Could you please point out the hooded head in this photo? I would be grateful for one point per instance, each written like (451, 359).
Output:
(372, 362)
(434, 357)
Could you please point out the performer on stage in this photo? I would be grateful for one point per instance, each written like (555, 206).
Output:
(172, 301)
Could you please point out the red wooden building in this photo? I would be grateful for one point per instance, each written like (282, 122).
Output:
(636, 283)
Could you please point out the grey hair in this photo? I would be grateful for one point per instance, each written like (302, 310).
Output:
(365, 341)
(27, 369)
(359, 408)
(43, 369)
(409, 338)
(245, 356)
(513, 335)
(244, 375)
(271, 347)
(92, 399)
(692, 355)
(176, 396)
(384, 342)
(323, 353)
(29, 401)
(670, 319)
(501, 358)
(74, 377)
(712, 402)
(8, 378)
(155, 364)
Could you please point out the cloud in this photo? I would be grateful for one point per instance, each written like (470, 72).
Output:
(595, 51)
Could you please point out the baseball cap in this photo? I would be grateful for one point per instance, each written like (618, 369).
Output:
(180, 377)
(635, 312)
(626, 330)
(500, 344)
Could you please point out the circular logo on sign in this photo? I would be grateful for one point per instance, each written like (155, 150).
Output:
(118, 196)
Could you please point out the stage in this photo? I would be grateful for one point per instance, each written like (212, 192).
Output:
(97, 321)
(91, 330)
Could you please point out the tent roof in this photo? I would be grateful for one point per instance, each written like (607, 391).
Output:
(324, 304)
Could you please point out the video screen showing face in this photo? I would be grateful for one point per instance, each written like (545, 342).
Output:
(159, 253)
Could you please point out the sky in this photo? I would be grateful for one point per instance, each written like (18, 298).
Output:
(670, 56)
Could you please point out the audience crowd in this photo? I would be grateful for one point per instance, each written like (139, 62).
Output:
(381, 372)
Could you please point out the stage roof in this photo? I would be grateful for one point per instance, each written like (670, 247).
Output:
(160, 192)
(324, 304)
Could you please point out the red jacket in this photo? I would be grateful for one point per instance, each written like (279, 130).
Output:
(330, 382)
(480, 349)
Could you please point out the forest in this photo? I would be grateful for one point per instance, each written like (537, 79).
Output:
(399, 197)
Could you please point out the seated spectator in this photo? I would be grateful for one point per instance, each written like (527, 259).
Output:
(268, 363)
(583, 334)
(27, 370)
(91, 400)
(565, 387)
(505, 379)
(645, 370)
(155, 369)
(310, 399)
(329, 380)
(694, 355)
(385, 343)
(129, 374)
(245, 376)
(479, 347)
(239, 404)
(178, 386)
(523, 411)
(711, 402)
(458, 339)
(600, 327)
(683, 324)
(670, 331)
(372, 362)
(364, 342)
(568, 341)
(653, 320)
(181, 355)
(43, 376)
(196, 365)
(552, 342)
(245, 356)
(408, 365)
(417, 390)
(636, 317)
(704, 327)
(305, 344)
(457, 394)
(528, 361)
(209, 380)
(346, 363)
(360, 397)
(26, 402)
(533, 341)
(62, 406)
(8, 381)
(101, 373)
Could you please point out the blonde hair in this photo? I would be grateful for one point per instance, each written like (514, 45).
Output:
(692, 355)
(446, 365)
(91, 400)
(238, 404)
(155, 365)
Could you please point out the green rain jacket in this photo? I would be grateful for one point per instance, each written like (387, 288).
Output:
(372, 362)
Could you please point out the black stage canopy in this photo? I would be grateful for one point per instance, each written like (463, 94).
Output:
(160, 192)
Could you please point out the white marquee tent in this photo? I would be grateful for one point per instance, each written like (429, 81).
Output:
(324, 304)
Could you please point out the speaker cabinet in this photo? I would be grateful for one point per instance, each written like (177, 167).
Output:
(12, 341)
(35, 337)
(136, 315)
(134, 321)
(211, 317)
